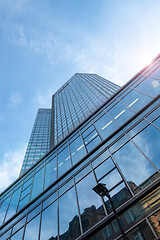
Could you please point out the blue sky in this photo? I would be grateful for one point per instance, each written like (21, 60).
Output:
(43, 43)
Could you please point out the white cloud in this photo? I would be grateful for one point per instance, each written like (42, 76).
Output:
(10, 167)
(15, 99)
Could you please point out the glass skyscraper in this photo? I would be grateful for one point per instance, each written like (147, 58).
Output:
(116, 142)
(77, 99)
(39, 142)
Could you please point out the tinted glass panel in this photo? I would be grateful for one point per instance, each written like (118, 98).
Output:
(104, 168)
(149, 141)
(32, 229)
(64, 162)
(49, 222)
(91, 208)
(3, 209)
(136, 100)
(138, 168)
(150, 86)
(37, 183)
(77, 150)
(120, 113)
(68, 216)
(105, 126)
(18, 235)
(13, 204)
(50, 172)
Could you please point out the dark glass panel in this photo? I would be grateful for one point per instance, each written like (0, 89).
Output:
(77, 150)
(18, 235)
(138, 168)
(34, 213)
(119, 195)
(37, 183)
(66, 186)
(120, 113)
(13, 204)
(3, 209)
(19, 225)
(93, 143)
(136, 100)
(111, 179)
(150, 86)
(155, 113)
(52, 198)
(26, 191)
(90, 203)
(64, 161)
(157, 122)
(141, 232)
(100, 158)
(23, 202)
(82, 173)
(156, 73)
(149, 141)
(50, 173)
(105, 126)
(68, 216)
(104, 168)
(32, 229)
(88, 131)
(6, 235)
(49, 222)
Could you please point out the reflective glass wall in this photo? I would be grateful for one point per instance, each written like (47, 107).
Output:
(117, 146)
(39, 140)
(76, 100)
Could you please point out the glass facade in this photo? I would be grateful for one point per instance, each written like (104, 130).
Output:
(76, 100)
(118, 145)
(39, 141)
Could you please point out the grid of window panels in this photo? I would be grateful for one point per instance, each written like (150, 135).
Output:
(39, 140)
(77, 99)
(70, 205)
(123, 133)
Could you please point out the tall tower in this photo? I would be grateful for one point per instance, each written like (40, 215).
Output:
(73, 103)
(39, 142)
(76, 100)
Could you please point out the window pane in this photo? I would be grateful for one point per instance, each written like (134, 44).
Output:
(32, 229)
(104, 168)
(49, 222)
(50, 172)
(19, 225)
(136, 100)
(64, 162)
(150, 86)
(77, 150)
(37, 183)
(90, 203)
(18, 235)
(105, 126)
(120, 113)
(13, 204)
(111, 179)
(149, 141)
(68, 216)
(3, 209)
(138, 168)
(93, 143)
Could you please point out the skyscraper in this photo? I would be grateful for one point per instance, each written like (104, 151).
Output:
(76, 100)
(39, 142)
(95, 138)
